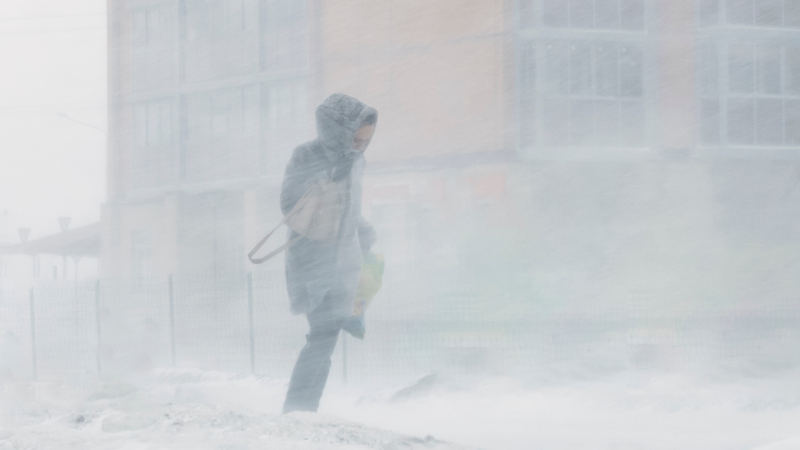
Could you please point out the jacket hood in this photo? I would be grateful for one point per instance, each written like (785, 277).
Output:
(338, 118)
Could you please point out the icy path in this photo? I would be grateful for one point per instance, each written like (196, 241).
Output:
(195, 409)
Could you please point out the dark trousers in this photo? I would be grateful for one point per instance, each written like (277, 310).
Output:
(314, 363)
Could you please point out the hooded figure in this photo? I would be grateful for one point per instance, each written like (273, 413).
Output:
(322, 277)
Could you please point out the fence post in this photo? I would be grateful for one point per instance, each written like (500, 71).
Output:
(250, 314)
(33, 338)
(344, 358)
(172, 320)
(97, 318)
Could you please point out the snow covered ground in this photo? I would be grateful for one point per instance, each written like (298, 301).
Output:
(196, 409)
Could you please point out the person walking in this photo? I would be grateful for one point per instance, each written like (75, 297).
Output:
(322, 276)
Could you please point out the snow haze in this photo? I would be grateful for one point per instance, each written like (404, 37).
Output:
(588, 212)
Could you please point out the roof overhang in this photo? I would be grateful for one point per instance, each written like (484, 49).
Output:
(78, 242)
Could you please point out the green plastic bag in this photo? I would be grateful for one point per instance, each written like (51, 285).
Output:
(368, 286)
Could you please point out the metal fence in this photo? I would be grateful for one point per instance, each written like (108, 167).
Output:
(419, 323)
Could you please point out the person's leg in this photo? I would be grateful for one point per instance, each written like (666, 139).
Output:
(310, 373)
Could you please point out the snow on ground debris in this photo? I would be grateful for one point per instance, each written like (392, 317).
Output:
(197, 409)
(180, 410)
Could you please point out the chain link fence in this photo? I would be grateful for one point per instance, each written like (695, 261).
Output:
(420, 322)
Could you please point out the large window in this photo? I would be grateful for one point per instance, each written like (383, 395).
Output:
(583, 85)
(284, 120)
(219, 39)
(758, 13)
(154, 144)
(284, 35)
(221, 134)
(153, 30)
(754, 100)
(583, 14)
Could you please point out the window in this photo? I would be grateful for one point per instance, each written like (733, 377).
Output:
(141, 258)
(756, 97)
(527, 93)
(759, 13)
(210, 19)
(153, 28)
(581, 73)
(593, 94)
(219, 39)
(587, 14)
(154, 144)
(221, 134)
(284, 120)
(284, 35)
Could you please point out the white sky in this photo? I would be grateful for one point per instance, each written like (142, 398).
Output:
(54, 60)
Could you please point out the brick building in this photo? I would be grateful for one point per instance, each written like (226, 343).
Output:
(492, 112)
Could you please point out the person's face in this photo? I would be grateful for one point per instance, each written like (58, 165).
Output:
(363, 137)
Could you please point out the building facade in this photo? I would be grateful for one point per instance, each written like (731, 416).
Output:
(488, 110)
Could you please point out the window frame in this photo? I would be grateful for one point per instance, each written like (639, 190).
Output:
(722, 36)
(534, 33)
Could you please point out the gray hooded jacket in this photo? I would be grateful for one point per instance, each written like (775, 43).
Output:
(313, 268)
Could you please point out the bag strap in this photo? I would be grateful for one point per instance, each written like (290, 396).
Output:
(274, 252)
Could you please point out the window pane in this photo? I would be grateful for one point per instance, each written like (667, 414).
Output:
(154, 20)
(607, 70)
(740, 11)
(298, 10)
(557, 74)
(527, 69)
(235, 16)
(792, 122)
(741, 72)
(285, 106)
(526, 14)
(556, 122)
(580, 69)
(709, 121)
(219, 115)
(300, 105)
(741, 121)
(630, 72)
(556, 12)
(769, 118)
(632, 14)
(165, 123)
(235, 110)
(708, 12)
(198, 117)
(139, 29)
(527, 125)
(581, 127)
(793, 70)
(631, 121)
(140, 125)
(217, 17)
(769, 13)
(250, 96)
(581, 13)
(152, 125)
(708, 70)
(791, 13)
(606, 121)
(300, 46)
(607, 14)
(769, 70)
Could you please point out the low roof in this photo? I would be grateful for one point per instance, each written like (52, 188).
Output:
(81, 241)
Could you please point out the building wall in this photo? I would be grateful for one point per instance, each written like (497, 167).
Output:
(504, 125)
(436, 72)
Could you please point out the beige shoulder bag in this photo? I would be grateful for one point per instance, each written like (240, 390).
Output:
(316, 216)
